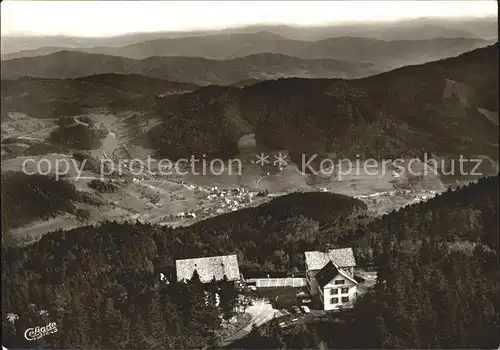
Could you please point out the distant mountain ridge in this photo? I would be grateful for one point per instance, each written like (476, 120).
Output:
(238, 45)
(197, 70)
(411, 29)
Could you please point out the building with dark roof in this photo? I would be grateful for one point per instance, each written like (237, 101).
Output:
(330, 275)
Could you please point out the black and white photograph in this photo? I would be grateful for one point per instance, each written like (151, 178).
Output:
(250, 175)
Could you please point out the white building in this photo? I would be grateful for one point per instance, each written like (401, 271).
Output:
(330, 275)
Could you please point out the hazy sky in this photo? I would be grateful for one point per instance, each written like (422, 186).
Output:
(102, 18)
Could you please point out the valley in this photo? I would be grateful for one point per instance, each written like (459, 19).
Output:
(180, 200)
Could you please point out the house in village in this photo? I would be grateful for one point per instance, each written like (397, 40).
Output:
(330, 275)
(209, 268)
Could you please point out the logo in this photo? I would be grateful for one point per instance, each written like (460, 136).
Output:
(39, 332)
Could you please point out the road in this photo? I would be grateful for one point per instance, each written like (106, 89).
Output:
(261, 313)
(79, 122)
(370, 278)
(490, 115)
(28, 136)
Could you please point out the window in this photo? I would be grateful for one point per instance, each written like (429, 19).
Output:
(334, 300)
(345, 290)
(334, 291)
(345, 299)
(339, 281)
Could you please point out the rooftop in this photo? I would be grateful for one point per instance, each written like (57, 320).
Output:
(208, 268)
(329, 272)
(316, 260)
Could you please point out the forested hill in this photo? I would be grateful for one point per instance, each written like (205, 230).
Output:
(54, 98)
(27, 198)
(438, 275)
(407, 112)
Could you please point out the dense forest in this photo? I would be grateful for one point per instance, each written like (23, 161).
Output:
(26, 198)
(80, 135)
(56, 98)
(436, 260)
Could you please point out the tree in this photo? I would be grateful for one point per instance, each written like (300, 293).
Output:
(228, 297)
(117, 333)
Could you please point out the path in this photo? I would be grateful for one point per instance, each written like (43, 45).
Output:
(490, 115)
(79, 122)
(28, 136)
(261, 313)
(370, 279)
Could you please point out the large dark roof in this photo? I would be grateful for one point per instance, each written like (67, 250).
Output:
(326, 274)
(329, 272)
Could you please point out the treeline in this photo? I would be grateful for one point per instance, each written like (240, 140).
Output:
(56, 98)
(102, 186)
(271, 237)
(437, 296)
(202, 122)
(470, 213)
(27, 198)
(71, 134)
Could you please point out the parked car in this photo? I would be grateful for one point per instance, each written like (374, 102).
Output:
(301, 294)
(306, 301)
(305, 309)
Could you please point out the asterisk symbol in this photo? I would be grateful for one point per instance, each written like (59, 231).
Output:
(280, 160)
(262, 159)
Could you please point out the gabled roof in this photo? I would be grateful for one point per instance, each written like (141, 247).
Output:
(209, 267)
(329, 272)
(316, 260)
(326, 274)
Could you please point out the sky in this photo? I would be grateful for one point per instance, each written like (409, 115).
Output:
(106, 18)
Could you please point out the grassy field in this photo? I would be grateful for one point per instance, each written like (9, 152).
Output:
(18, 124)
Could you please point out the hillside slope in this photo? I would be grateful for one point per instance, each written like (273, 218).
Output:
(52, 98)
(407, 111)
(197, 70)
